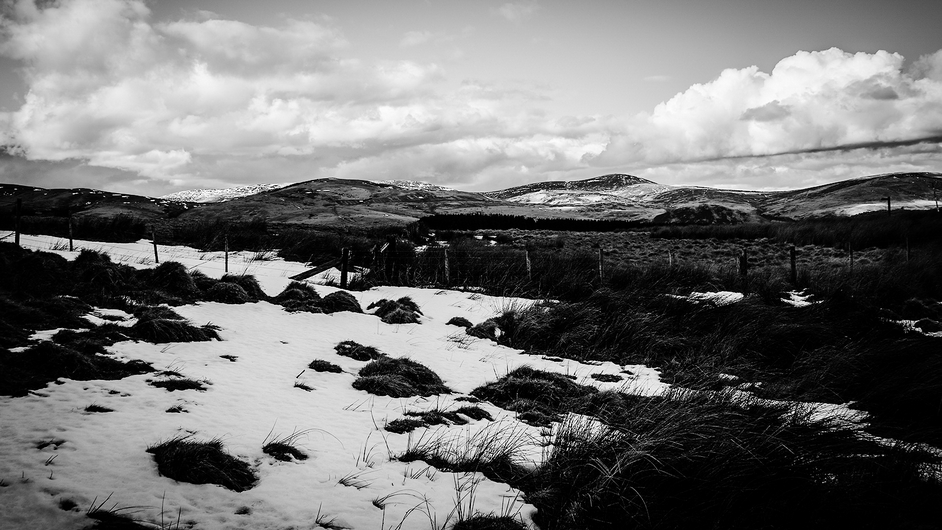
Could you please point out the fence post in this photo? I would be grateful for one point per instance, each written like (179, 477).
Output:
(888, 204)
(344, 261)
(526, 255)
(670, 258)
(447, 269)
(793, 256)
(153, 238)
(71, 242)
(225, 246)
(16, 226)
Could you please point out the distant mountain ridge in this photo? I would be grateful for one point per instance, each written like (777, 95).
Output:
(220, 194)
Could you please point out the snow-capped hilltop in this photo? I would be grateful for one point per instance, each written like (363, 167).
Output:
(602, 184)
(220, 194)
(415, 185)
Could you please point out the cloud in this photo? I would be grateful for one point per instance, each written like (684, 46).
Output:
(820, 100)
(415, 38)
(208, 101)
(517, 11)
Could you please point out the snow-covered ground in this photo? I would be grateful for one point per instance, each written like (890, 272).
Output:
(221, 194)
(350, 476)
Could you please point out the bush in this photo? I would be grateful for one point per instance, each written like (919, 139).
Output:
(399, 378)
(185, 460)
(340, 301)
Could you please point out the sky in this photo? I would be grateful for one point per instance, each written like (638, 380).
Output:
(158, 96)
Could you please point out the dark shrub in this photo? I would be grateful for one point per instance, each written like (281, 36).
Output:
(186, 460)
(399, 378)
(340, 301)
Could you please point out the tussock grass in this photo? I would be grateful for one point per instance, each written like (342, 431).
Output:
(495, 451)
(399, 378)
(401, 311)
(248, 283)
(538, 397)
(489, 522)
(416, 419)
(227, 293)
(705, 460)
(96, 408)
(46, 362)
(460, 322)
(180, 383)
(320, 365)
(340, 301)
(284, 448)
(161, 325)
(299, 296)
(357, 351)
(186, 460)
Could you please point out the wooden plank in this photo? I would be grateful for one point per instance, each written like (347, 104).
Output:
(315, 271)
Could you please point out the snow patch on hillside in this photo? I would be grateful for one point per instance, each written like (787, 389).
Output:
(221, 194)
(415, 185)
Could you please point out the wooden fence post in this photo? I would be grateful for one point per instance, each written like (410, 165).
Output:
(71, 241)
(447, 269)
(153, 238)
(344, 262)
(526, 255)
(793, 257)
(888, 206)
(16, 226)
(225, 246)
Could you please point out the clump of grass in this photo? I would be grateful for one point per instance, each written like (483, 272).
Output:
(299, 296)
(180, 383)
(401, 311)
(320, 365)
(95, 408)
(489, 522)
(538, 397)
(162, 325)
(495, 451)
(606, 378)
(248, 283)
(399, 378)
(186, 460)
(460, 322)
(46, 362)
(230, 358)
(485, 330)
(176, 409)
(227, 293)
(415, 419)
(689, 459)
(303, 386)
(284, 448)
(172, 278)
(340, 301)
(357, 351)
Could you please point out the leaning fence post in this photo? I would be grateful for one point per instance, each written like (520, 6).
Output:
(526, 255)
(153, 238)
(16, 226)
(71, 242)
(447, 269)
(344, 261)
(793, 257)
(225, 246)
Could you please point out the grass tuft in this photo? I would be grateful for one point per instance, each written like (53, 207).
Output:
(186, 460)
(399, 378)
(357, 351)
(320, 365)
(283, 447)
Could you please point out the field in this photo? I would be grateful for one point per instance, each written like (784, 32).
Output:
(669, 391)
